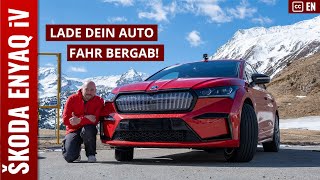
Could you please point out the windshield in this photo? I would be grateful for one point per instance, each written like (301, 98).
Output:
(199, 69)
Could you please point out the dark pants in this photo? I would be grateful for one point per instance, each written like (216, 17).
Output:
(71, 145)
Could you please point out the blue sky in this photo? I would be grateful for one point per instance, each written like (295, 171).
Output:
(187, 28)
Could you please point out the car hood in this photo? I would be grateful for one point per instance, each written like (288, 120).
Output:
(179, 83)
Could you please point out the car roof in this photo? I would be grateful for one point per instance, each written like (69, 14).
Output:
(239, 60)
(234, 60)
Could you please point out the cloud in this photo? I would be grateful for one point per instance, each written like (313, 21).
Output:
(269, 2)
(194, 38)
(158, 12)
(208, 8)
(262, 20)
(163, 11)
(117, 19)
(242, 11)
(78, 69)
(49, 65)
(214, 11)
(120, 2)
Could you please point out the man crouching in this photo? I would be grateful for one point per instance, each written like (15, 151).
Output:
(81, 116)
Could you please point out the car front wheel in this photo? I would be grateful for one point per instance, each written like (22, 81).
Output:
(248, 137)
(123, 154)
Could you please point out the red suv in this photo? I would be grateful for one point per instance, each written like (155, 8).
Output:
(202, 105)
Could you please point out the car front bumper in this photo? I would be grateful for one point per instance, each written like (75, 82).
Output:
(214, 121)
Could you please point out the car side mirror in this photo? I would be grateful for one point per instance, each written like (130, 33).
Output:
(260, 78)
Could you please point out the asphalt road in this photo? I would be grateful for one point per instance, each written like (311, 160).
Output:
(290, 163)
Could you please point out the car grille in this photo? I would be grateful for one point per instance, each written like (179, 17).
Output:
(154, 102)
(154, 130)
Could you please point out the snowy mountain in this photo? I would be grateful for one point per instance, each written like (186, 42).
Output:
(270, 50)
(130, 76)
(47, 86)
(47, 89)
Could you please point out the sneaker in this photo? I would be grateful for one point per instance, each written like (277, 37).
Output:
(92, 158)
(78, 159)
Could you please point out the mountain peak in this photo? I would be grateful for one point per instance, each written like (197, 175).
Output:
(130, 76)
(47, 70)
(47, 73)
(131, 71)
(250, 32)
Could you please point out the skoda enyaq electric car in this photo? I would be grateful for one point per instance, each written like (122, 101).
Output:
(201, 105)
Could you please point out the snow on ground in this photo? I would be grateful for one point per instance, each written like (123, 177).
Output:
(301, 96)
(309, 123)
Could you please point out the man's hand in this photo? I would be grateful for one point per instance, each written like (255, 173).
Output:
(92, 118)
(74, 120)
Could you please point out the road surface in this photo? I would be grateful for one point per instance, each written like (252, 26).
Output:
(292, 162)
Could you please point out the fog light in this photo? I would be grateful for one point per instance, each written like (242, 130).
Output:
(109, 117)
(124, 125)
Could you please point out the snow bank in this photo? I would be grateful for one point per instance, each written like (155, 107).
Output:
(309, 123)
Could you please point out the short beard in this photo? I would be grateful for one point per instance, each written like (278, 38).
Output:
(86, 98)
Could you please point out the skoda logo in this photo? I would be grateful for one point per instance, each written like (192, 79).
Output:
(154, 88)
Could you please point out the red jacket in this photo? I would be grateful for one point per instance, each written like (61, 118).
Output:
(76, 104)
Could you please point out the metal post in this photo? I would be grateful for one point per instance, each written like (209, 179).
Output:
(58, 105)
(58, 96)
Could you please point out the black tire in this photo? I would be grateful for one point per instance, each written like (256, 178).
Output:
(210, 150)
(123, 154)
(274, 145)
(248, 137)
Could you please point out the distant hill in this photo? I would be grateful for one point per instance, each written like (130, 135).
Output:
(297, 88)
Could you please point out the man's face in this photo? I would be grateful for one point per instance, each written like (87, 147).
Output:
(88, 91)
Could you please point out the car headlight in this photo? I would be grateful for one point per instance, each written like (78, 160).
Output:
(110, 97)
(221, 91)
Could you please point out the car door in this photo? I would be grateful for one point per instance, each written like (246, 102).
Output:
(261, 100)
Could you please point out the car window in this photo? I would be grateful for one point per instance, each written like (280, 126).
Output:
(172, 75)
(215, 68)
